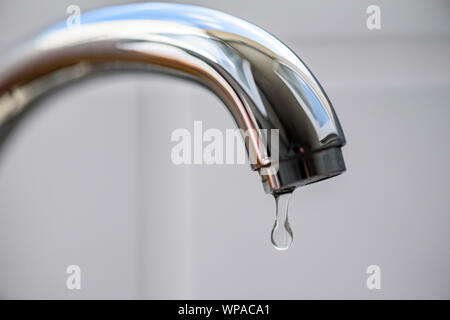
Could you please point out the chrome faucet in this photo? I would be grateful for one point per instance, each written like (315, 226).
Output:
(260, 80)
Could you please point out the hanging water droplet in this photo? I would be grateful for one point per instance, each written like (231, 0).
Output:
(281, 235)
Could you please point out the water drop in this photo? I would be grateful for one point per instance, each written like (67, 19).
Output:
(281, 235)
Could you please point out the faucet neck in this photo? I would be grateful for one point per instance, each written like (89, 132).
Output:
(264, 85)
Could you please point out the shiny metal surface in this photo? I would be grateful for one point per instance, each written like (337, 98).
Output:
(261, 81)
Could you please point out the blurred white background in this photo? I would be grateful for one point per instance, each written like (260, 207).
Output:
(88, 179)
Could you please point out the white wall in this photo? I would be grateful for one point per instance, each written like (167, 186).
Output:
(88, 180)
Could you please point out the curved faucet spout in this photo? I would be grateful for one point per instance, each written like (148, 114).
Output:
(264, 85)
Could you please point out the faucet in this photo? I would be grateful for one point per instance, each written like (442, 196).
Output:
(263, 84)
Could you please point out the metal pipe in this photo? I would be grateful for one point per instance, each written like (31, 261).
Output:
(261, 81)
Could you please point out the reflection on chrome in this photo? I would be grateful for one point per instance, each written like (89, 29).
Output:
(261, 81)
